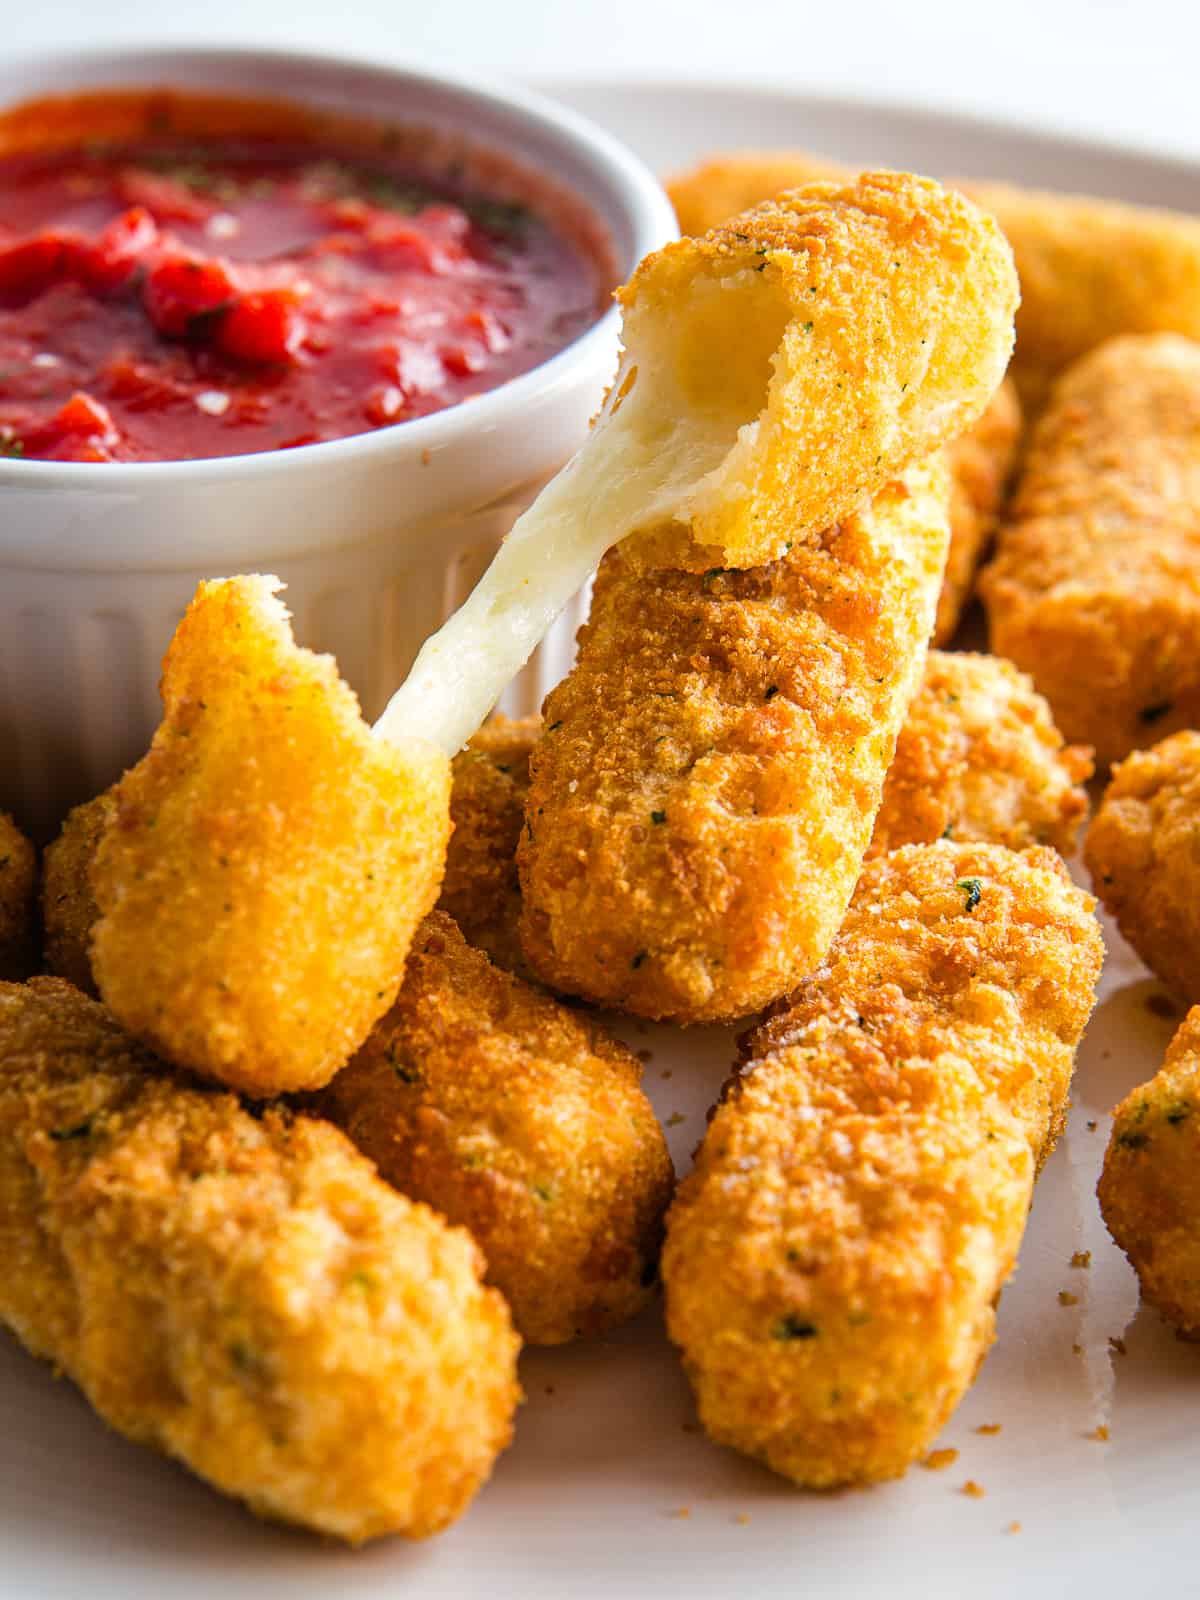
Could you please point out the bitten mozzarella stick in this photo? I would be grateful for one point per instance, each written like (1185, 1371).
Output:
(833, 1261)
(979, 759)
(1090, 269)
(1095, 588)
(1150, 1187)
(522, 1121)
(18, 902)
(776, 374)
(268, 861)
(709, 774)
(1141, 853)
(243, 1293)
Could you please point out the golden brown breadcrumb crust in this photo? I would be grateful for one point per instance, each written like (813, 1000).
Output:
(243, 1293)
(524, 1122)
(721, 186)
(884, 311)
(1090, 269)
(708, 777)
(981, 463)
(69, 911)
(1150, 1187)
(1141, 853)
(979, 759)
(496, 1105)
(1095, 587)
(268, 861)
(18, 902)
(481, 890)
(833, 1261)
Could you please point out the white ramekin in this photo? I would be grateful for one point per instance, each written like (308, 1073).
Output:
(378, 537)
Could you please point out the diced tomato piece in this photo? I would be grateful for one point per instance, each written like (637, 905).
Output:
(182, 287)
(127, 240)
(37, 264)
(265, 327)
(80, 430)
(83, 415)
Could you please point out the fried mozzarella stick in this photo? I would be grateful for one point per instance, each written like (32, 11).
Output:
(268, 861)
(833, 1261)
(494, 1104)
(776, 374)
(1095, 587)
(18, 902)
(1141, 853)
(1091, 269)
(979, 759)
(243, 1293)
(1150, 1187)
(710, 771)
(522, 1121)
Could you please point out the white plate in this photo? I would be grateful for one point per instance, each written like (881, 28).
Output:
(590, 1500)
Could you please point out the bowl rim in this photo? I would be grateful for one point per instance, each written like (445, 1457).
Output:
(648, 212)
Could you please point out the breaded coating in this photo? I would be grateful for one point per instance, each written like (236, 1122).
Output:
(1150, 1187)
(718, 188)
(877, 318)
(979, 759)
(981, 459)
(981, 463)
(1090, 269)
(243, 1293)
(1095, 587)
(69, 911)
(833, 1261)
(1141, 853)
(708, 778)
(501, 1109)
(522, 1121)
(268, 861)
(481, 890)
(18, 902)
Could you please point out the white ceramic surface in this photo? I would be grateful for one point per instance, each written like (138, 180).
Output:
(588, 1502)
(378, 536)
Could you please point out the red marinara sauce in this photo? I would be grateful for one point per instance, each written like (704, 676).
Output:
(166, 297)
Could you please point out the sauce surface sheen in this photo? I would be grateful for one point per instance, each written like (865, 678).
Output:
(167, 299)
